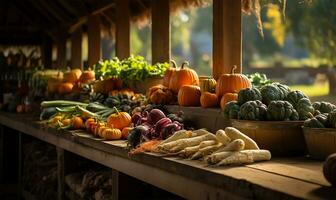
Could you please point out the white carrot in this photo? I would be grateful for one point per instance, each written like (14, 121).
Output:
(217, 157)
(235, 145)
(222, 137)
(207, 143)
(205, 151)
(188, 151)
(184, 134)
(233, 133)
(246, 157)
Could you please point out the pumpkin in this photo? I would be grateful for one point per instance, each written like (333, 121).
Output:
(227, 98)
(281, 111)
(72, 76)
(125, 131)
(189, 95)
(168, 74)
(77, 123)
(293, 97)
(304, 108)
(154, 88)
(270, 93)
(208, 100)
(87, 76)
(231, 83)
(253, 110)
(65, 88)
(162, 96)
(324, 107)
(111, 134)
(119, 120)
(284, 89)
(183, 76)
(231, 110)
(332, 119)
(207, 84)
(248, 94)
(329, 169)
(319, 121)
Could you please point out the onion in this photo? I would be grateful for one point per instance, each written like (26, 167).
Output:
(154, 116)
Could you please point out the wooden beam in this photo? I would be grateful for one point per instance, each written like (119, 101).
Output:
(61, 52)
(76, 49)
(122, 28)
(227, 36)
(160, 31)
(94, 40)
(56, 11)
(47, 52)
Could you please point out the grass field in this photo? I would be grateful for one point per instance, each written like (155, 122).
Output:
(316, 92)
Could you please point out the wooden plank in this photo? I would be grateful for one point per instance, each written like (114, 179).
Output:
(122, 29)
(94, 40)
(160, 31)
(76, 49)
(61, 52)
(227, 36)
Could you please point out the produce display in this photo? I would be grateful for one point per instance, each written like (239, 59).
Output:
(325, 116)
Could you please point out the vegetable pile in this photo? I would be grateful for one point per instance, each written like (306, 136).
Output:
(325, 116)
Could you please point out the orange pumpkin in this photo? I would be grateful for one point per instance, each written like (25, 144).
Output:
(154, 88)
(77, 123)
(189, 95)
(119, 120)
(87, 76)
(232, 83)
(65, 88)
(207, 84)
(72, 76)
(169, 73)
(111, 134)
(183, 76)
(208, 100)
(125, 131)
(227, 98)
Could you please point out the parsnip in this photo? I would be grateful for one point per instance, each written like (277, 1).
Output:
(188, 151)
(207, 143)
(184, 134)
(235, 145)
(186, 142)
(205, 151)
(246, 157)
(222, 137)
(233, 133)
(217, 157)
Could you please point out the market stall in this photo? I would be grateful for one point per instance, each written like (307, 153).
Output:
(229, 136)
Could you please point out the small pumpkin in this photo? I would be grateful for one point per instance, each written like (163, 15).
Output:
(208, 100)
(119, 120)
(324, 107)
(72, 76)
(169, 73)
(281, 111)
(111, 134)
(231, 110)
(207, 84)
(329, 169)
(160, 94)
(294, 97)
(77, 123)
(304, 108)
(65, 88)
(253, 110)
(319, 121)
(189, 95)
(332, 119)
(125, 131)
(271, 93)
(87, 76)
(183, 76)
(248, 94)
(227, 98)
(231, 83)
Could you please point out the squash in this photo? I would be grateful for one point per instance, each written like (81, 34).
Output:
(72, 76)
(53, 84)
(208, 100)
(169, 73)
(253, 110)
(87, 76)
(231, 110)
(125, 131)
(119, 120)
(111, 134)
(227, 98)
(284, 89)
(332, 119)
(183, 76)
(293, 97)
(329, 169)
(161, 96)
(65, 88)
(207, 84)
(319, 121)
(272, 92)
(324, 107)
(77, 123)
(248, 94)
(231, 83)
(154, 88)
(189, 95)
(304, 108)
(281, 111)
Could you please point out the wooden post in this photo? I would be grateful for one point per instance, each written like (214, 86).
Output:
(2, 149)
(227, 36)
(60, 173)
(61, 52)
(47, 52)
(115, 185)
(94, 40)
(122, 29)
(160, 31)
(76, 49)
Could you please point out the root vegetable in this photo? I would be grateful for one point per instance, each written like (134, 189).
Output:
(245, 157)
(178, 135)
(187, 152)
(205, 151)
(217, 157)
(235, 145)
(207, 143)
(222, 137)
(234, 133)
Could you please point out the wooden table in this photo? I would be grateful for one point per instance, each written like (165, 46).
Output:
(280, 178)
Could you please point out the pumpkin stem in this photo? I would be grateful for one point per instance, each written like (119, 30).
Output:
(174, 63)
(116, 109)
(233, 69)
(184, 63)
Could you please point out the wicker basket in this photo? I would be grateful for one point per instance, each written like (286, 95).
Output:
(280, 137)
(142, 87)
(321, 142)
